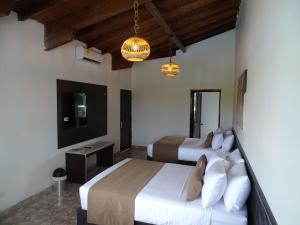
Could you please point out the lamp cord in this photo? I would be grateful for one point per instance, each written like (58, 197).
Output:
(170, 49)
(136, 17)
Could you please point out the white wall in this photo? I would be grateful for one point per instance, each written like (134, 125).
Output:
(268, 46)
(161, 105)
(28, 131)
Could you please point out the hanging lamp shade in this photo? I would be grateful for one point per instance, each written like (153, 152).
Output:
(135, 49)
(170, 69)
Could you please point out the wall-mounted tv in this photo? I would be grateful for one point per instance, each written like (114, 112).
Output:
(81, 112)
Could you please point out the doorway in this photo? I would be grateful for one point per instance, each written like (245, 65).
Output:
(204, 112)
(125, 119)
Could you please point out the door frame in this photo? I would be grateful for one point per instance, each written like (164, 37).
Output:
(192, 105)
(126, 90)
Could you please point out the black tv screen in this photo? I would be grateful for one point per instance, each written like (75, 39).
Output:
(81, 112)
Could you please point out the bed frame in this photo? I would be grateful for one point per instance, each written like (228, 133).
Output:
(82, 219)
(183, 162)
(259, 212)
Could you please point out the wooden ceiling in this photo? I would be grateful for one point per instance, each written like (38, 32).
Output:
(105, 24)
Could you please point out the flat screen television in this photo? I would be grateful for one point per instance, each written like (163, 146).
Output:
(81, 112)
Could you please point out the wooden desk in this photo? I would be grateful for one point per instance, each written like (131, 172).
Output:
(76, 160)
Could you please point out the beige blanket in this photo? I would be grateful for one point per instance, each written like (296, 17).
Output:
(166, 149)
(111, 200)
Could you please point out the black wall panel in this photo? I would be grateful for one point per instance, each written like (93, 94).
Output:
(94, 125)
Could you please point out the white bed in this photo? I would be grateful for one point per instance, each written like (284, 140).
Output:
(162, 200)
(189, 150)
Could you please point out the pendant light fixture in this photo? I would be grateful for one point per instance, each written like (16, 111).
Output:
(135, 49)
(170, 69)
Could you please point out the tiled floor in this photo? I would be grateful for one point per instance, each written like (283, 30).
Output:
(45, 210)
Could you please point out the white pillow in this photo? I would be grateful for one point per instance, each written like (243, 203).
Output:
(214, 184)
(238, 187)
(228, 142)
(228, 132)
(219, 156)
(217, 141)
(235, 156)
(218, 130)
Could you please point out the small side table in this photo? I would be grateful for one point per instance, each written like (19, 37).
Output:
(76, 160)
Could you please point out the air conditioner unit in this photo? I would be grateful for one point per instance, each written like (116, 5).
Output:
(89, 55)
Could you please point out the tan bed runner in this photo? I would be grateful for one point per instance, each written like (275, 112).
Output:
(111, 200)
(166, 149)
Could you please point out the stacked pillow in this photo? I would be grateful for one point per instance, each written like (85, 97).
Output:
(224, 177)
(235, 157)
(224, 140)
(228, 142)
(219, 156)
(238, 187)
(217, 141)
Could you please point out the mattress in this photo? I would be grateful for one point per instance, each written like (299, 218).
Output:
(189, 150)
(162, 200)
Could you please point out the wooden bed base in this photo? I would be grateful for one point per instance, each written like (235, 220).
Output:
(82, 218)
(259, 212)
(182, 162)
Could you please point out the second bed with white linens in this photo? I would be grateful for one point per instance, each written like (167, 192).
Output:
(189, 150)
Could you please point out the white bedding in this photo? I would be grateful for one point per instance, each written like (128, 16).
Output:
(189, 150)
(162, 200)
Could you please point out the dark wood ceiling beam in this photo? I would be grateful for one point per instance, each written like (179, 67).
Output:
(198, 38)
(206, 16)
(191, 6)
(199, 25)
(199, 32)
(88, 35)
(39, 9)
(5, 7)
(197, 29)
(224, 26)
(99, 30)
(198, 8)
(158, 41)
(96, 32)
(163, 51)
(209, 23)
(123, 33)
(119, 22)
(76, 21)
(162, 22)
(118, 38)
(151, 37)
(118, 62)
(210, 12)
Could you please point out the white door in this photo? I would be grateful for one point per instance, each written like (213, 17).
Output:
(209, 112)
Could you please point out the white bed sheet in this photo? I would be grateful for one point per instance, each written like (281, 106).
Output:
(162, 200)
(189, 150)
